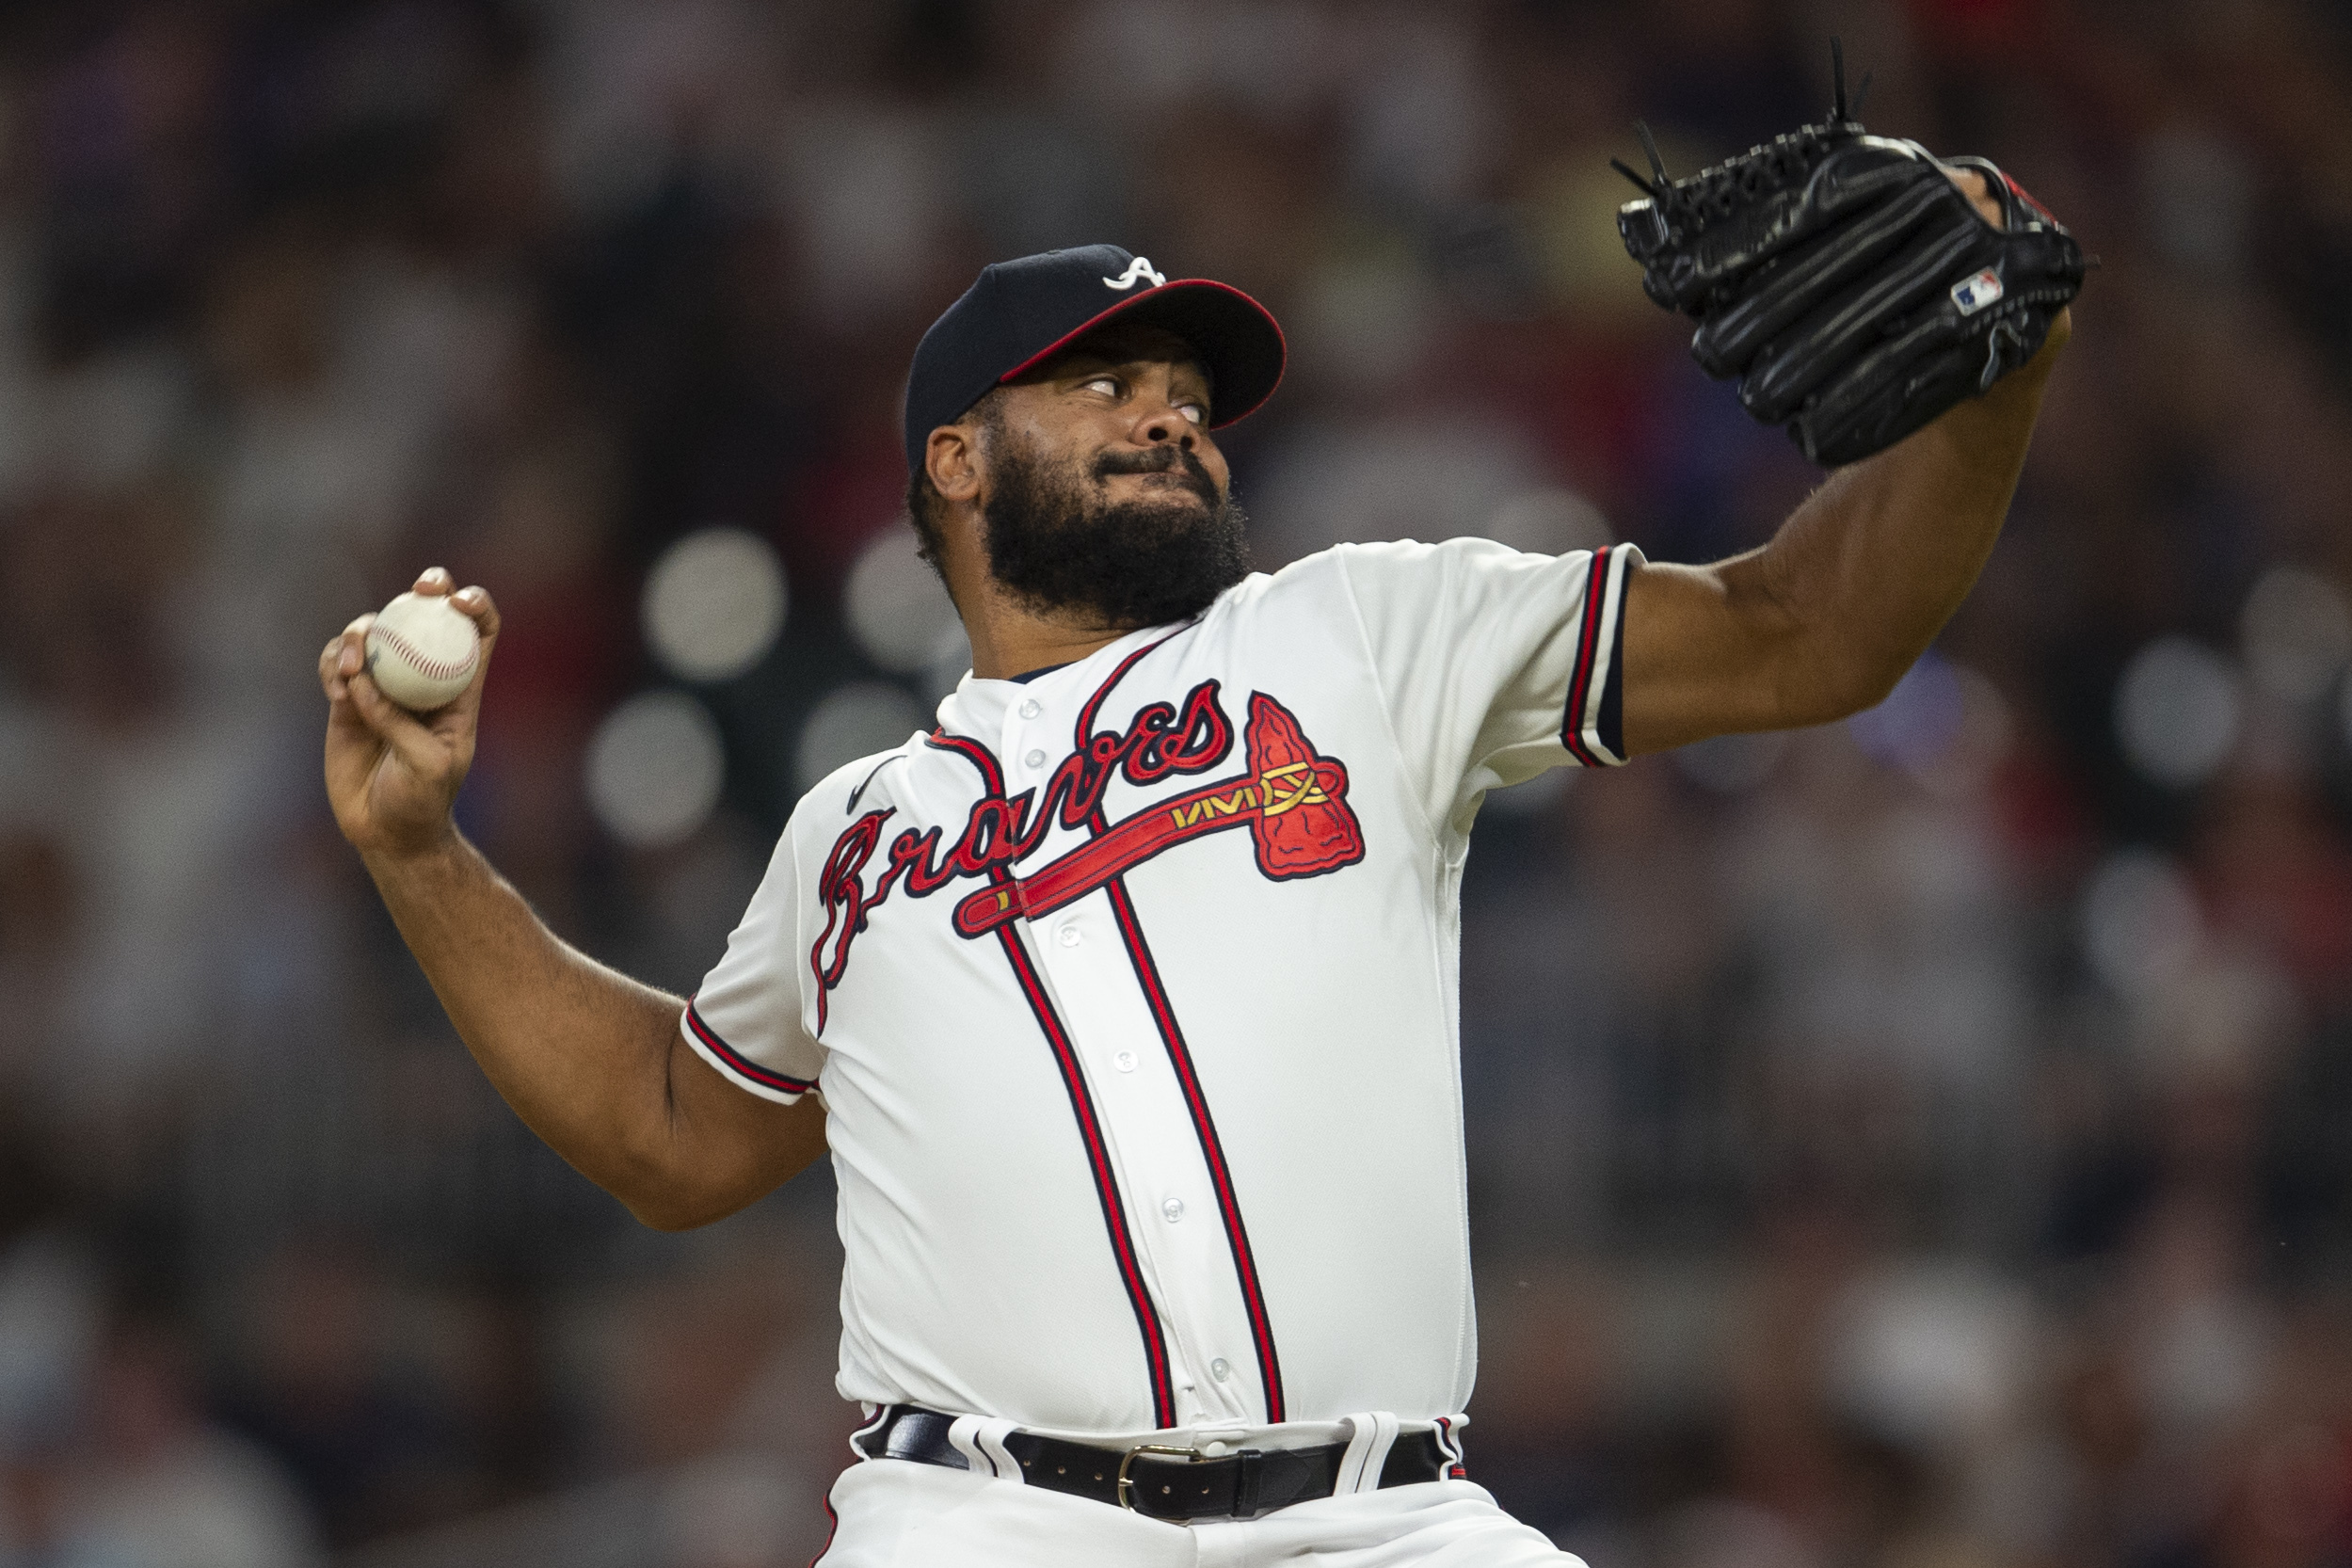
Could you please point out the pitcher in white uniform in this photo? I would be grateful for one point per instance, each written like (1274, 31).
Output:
(1124, 1000)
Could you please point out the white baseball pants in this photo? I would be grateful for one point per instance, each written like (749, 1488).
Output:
(891, 1513)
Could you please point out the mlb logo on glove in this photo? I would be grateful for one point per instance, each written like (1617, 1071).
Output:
(1973, 294)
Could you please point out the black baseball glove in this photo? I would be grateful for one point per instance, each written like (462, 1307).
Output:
(1851, 286)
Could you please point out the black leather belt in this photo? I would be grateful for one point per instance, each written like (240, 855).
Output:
(1165, 1482)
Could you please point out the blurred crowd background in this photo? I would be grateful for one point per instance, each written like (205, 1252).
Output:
(1919, 1142)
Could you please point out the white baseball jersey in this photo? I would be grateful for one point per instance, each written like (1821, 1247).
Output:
(1131, 994)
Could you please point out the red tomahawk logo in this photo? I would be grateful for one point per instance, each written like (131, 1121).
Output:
(1293, 801)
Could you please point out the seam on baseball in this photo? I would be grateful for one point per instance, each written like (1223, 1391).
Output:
(438, 669)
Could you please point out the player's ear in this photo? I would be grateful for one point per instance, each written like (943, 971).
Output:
(952, 459)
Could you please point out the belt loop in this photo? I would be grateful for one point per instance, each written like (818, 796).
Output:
(1449, 1445)
(1249, 1472)
(1371, 1435)
(980, 1440)
(878, 1418)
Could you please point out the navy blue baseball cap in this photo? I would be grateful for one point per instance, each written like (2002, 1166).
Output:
(1021, 313)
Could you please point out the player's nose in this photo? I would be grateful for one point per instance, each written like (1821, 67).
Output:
(1159, 422)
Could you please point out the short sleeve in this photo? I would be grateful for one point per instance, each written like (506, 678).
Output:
(746, 1019)
(1494, 665)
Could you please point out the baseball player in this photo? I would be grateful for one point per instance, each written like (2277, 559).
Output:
(1125, 1000)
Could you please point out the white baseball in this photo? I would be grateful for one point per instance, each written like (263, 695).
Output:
(423, 652)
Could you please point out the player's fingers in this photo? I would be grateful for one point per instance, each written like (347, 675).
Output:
(349, 731)
(1973, 186)
(433, 582)
(354, 657)
(344, 655)
(475, 601)
(353, 745)
(419, 746)
(459, 718)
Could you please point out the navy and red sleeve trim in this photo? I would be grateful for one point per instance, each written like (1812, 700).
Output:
(1593, 726)
(766, 1081)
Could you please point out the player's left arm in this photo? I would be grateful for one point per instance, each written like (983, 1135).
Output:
(1821, 623)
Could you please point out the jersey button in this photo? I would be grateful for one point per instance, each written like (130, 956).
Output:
(1071, 936)
(1125, 1060)
(1220, 1368)
(1174, 1208)
(1035, 759)
(1030, 708)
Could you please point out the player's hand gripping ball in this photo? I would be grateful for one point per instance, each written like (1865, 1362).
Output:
(423, 652)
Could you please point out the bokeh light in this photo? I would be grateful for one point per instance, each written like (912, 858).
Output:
(2177, 711)
(1931, 1355)
(655, 769)
(2296, 632)
(2139, 920)
(898, 609)
(854, 721)
(715, 604)
(1919, 721)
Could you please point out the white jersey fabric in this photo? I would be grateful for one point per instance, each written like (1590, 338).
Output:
(1131, 994)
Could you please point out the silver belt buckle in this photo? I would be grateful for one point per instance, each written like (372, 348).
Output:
(1126, 1486)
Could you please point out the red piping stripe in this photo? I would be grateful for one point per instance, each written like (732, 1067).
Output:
(1180, 1058)
(1106, 1183)
(1212, 1148)
(1093, 704)
(833, 1526)
(1082, 1107)
(742, 1064)
(1581, 680)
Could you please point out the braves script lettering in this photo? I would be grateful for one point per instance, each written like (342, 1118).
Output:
(1160, 741)
(1292, 800)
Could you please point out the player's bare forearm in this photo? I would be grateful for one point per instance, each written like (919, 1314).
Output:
(579, 1050)
(592, 1061)
(1821, 623)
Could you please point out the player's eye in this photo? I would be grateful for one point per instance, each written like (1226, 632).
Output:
(1107, 385)
(1194, 412)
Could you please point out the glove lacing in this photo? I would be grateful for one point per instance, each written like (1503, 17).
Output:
(1784, 161)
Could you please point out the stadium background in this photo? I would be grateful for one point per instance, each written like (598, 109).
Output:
(1918, 1142)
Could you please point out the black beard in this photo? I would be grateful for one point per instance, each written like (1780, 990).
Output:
(1063, 548)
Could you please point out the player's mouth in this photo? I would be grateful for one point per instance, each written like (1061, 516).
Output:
(1161, 468)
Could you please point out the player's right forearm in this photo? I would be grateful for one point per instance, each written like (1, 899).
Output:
(593, 1062)
(580, 1050)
